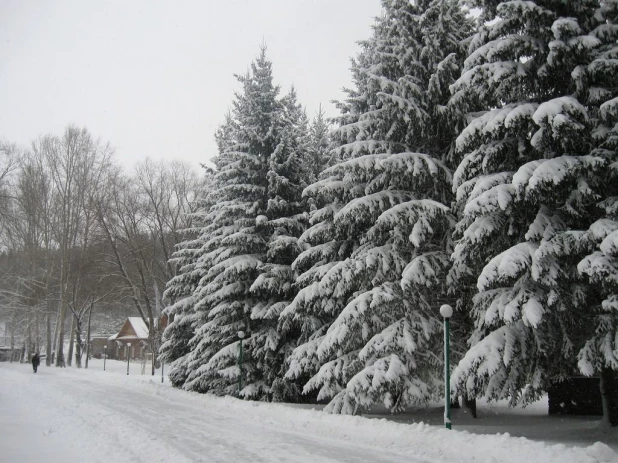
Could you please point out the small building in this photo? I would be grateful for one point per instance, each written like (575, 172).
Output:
(132, 339)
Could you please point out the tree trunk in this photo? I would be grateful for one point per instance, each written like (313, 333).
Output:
(608, 398)
(55, 338)
(28, 353)
(88, 335)
(12, 343)
(77, 329)
(22, 354)
(61, 315)
(470, 404)
(37, 333)
(48, 346)
(60, 331)
(71, 338)
(78, 351)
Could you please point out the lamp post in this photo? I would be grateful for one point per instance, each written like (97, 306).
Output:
(162, 364)
(241, 335)
(128, 355)
(104, 356)
(447, 311)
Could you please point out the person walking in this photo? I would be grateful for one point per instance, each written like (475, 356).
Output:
(36, 360)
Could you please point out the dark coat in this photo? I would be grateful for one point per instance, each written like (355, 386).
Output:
(36, 360)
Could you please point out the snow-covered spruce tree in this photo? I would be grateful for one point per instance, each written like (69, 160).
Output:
(310, 314)
(373, 276)
(285, 221)
(234, 242)
(180, 311)
(526, 179)
(248, 241)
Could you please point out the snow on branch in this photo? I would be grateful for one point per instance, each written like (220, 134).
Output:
(609, 110)
(497, 50)
(508, 265)
(330, 187)
(327, 252)
(417, 220)
(387, 377)
(427, 270)
(533, 176)
(600, 268)
(499, 197)
(487, 182)
(275, 280)
(332, 375)
(357, 319)
(326, 213)
(231, 268)
(319, 233)
(304, 358)
(609, 245)
(368, 208)
(487, 361)
(315, 274)
(482, 228)
(368, 164)
(407, 335)
(490, 123)
(564, 114)
(416, 164)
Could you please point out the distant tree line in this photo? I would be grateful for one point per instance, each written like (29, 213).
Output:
(78, 232)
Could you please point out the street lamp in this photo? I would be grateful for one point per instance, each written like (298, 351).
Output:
(162, 364)
(241, 335)
(104, 356)
(447, 312)
(128, 355)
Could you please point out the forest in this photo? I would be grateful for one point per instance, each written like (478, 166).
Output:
(472, 163)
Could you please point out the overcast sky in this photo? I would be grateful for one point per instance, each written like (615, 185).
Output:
(155, 78)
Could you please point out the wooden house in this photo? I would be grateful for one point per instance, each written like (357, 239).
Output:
(132, 339)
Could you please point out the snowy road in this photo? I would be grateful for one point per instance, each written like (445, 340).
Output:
(117, 421)
(199, 434)
(69, 415)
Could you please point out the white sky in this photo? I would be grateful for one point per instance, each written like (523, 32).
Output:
(156, 78)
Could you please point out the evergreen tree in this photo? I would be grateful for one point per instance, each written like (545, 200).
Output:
(373, 278)
(526, 181)
(253, 219)
(235, 243)
(285, 221)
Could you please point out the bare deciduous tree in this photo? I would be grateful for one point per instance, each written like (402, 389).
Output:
(76, 164)
(142, 218)
(76, 230)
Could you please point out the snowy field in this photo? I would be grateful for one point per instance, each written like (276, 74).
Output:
(69, 415)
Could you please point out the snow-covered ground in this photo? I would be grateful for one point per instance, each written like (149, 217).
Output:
(70, 415)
